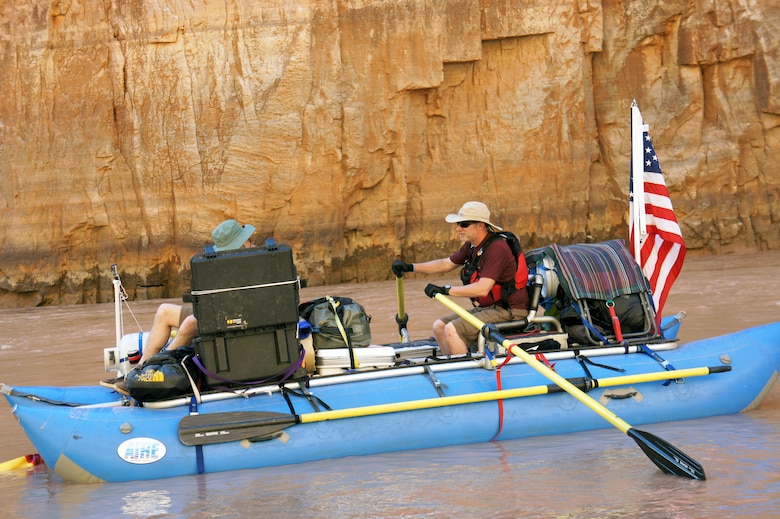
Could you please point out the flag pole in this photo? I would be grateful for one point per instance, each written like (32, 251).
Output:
(636, 191)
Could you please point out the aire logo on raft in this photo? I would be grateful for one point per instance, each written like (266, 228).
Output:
(141, 451)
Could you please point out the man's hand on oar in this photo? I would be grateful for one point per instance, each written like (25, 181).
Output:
(399, 267)
(431, 290)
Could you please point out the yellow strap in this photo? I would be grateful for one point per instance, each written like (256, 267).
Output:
(335, 304)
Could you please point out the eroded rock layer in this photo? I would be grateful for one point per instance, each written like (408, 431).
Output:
(349, 128)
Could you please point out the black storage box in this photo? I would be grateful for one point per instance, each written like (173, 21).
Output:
(249, 356)
(244, 289)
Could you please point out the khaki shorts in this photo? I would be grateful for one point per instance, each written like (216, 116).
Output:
(186, 311)
(490, 314)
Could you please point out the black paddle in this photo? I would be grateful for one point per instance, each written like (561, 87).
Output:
(667, 457)
(206, 429)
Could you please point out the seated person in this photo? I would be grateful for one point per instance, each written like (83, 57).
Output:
(169, 316)
(227, 236)
(488, 264)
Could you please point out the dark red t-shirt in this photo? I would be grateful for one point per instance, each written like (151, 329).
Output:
(495, 262)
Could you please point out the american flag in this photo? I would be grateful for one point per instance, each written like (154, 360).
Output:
(655, 234)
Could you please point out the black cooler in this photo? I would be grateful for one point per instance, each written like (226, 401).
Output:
(246, 304)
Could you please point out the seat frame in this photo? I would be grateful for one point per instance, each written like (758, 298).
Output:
(529, 326)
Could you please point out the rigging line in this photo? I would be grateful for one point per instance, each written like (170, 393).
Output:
(123, 295)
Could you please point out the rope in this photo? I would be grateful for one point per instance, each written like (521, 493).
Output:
(123, 295)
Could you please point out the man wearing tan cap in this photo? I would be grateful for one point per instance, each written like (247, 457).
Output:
(488, 265)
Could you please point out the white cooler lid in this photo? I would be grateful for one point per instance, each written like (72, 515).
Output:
(371, 356)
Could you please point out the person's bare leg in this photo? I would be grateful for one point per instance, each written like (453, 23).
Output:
(455, 345)
(165, 320)
(438, 334)
(188, 330)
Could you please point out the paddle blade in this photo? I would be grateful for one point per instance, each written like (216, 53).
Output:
(666, 456)
(211, 428)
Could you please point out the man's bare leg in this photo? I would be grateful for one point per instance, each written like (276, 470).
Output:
(438, 334)
(455, 345)
(188, 330)
(165, 320)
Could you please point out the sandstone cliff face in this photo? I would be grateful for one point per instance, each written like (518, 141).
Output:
(349, 128)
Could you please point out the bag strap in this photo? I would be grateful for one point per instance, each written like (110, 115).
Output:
(287, 373)
(193, 385)
(353, 362)
(588, 324)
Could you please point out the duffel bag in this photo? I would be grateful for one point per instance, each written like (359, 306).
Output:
(337, 322)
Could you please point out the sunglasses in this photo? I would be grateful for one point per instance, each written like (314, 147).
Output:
(465, 224)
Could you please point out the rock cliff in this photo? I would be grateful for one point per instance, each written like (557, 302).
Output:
(349, 128)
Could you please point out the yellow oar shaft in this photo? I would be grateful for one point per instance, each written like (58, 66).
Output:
(16, 463)
(541, 368)
(640, 378)
(400, 317)
(488, 396)
(399, 286)
(428, 403)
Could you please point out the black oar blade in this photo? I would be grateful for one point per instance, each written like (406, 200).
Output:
(207, 429)
(666, 456)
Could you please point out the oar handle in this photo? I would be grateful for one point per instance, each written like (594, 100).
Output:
(399, 287)
(401, 318)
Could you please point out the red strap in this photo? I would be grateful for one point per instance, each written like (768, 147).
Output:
(615, 321)
(541, 358)
(506, 360)
(500, 402)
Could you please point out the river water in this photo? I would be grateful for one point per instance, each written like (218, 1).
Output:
(599, 474)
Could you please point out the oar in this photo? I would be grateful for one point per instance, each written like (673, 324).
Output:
(667, 457)
(401, 318)
(30, 460)
(204, 429)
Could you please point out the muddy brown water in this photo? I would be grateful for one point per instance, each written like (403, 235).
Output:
(593, 474)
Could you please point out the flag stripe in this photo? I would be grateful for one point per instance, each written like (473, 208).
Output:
(660, 200)
(665, 228)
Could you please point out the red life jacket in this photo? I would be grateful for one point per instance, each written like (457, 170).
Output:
(500, 292)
